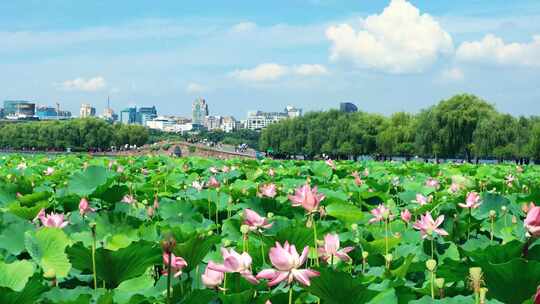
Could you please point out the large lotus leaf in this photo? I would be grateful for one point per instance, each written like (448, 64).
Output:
(512, 282)
(300, 236)
(497, 254)
(490, 201)
(344, 212)
(335, 287)
(114, 267)
(15, 275)
(244, 297)
(78, 295)
(387, 296)
(28, 213)
(29, 200)
(196, 248)
(321, 169)
(47, 247)
(29, 295)
(12, 236)
(142, 287)
(379, 246)
(84, 183)
(199, 296)
(117, 230)
(451, 300)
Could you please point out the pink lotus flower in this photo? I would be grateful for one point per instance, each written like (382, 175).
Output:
(120, 169)
(423, 200)
(307, 197)
(197, 185)
(287, 263)
(331, 164)
(177, 264)
(431, 182)
(381, 213)
(406, 215)
(213, 182)
(472, 201)
(254, 221)
(84, 207)
(366, 172)
(53, 220)
(537, 296)
(212, 278)
(428, 226)
(128, 199)
(235, 262)
(357, 180)
(509, 180)
(532, 221)
(150, 211)
(225, 169)
(454, 187)
(331, 249)
(49, 171)
(268, 190)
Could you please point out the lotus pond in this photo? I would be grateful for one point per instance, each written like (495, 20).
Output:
(154, 229)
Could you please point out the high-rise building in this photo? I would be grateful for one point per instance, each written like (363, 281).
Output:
(228, 124)
(257, 120)
(108, 112)
(348, 107)
(293, 112)
(128, 116)
(145, 114)
(15, 109)
(212, 122)
(200, 111)
(51, 113)
(87, 111)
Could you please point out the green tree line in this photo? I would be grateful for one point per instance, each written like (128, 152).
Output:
(463, 126)
(77, 134)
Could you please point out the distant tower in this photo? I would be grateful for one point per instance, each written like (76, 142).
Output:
(200, 111)
(87, 111)
(348, 107)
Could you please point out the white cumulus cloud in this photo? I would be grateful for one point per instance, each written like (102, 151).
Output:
(244, 27)
(274, 71)
(86, 85)
(493, 50)
(399, 40)
(453, 74)
(194, 87)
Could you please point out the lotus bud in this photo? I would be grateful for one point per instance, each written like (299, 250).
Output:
(168, 244)
(431, 264)
(365, 255)
(439, 282)
(514, 220)
(492, 214)
(503, 209)
(354, 227)
(226, 243)
(244, 229)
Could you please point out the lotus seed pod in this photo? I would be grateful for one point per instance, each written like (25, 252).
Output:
(227, 243)
(492, 213)
(483, 292)
(210, 232)
(244, 229)
(49, 274)
(365, 255)
(439, 283)
(476, 278)
(431, 264)
(389, 257)
(503, 208)
(354, 227)
(168, 244)
(270, 215)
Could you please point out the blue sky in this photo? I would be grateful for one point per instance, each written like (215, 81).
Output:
(385, 56)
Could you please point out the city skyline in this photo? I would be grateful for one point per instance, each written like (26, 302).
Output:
(240, 56)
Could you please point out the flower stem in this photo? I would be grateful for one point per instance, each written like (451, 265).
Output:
(290, 294)
(315, 239)
(262, 248)
(386, 236)
(169, 273)
(224, 283)
(432, 285)
(432, 247)
(491, 232)
(93, 229)
(469, 225)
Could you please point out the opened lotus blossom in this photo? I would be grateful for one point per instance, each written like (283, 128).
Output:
(177, 264)
(49, 171)
(197, 185)
(331, 249)
(532, 221)
(431, 182)
(428, 226)
(254, 221)
(307, 197)
(287, 262)
(235, 262)
(128, 199)
(213, 182)
(509, 180)
(331, 164)
(406, 215)
(53, 220)
(381, 213)
(423, 200)
(212, 278)
(454, 187)
(268, 190)
(472, 201)
(84, 207)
